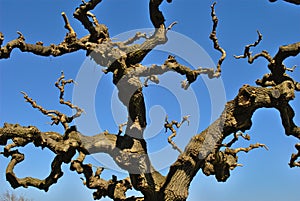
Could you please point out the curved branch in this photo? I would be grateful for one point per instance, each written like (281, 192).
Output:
(60, 84)
(286, 51)
(276, 66)
(169, 125)
(248, 54)
(213, 37)
(235, 117)
(287, 115)
(99, 32)
(68, 45)
(245, 149)
(156, 16)
(56, 116)
(113, 188)
(65, 149)
(44, 184)
(171, 64)
(294, 157)
(21, 136)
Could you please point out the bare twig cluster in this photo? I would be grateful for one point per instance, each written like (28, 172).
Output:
(248, 54)
(276, 77)
(112, 188)
(235, 139)
(56, 116)
(169, 126)
(276, 66)
(221, 162)
(12, 196)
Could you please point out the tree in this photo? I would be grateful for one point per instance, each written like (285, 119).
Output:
(207, 151)
(9, 196)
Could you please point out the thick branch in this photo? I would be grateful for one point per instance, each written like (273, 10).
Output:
(65, 149)
(68, 45)
(171, 64)
(112, 188)
(98, 31)
(21, 136)
(287, 115)
(235, 117)
(286, 51)
(68, 25)
(156, 15)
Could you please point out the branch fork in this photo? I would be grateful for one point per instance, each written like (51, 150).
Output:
(169, 126)
(56, 116)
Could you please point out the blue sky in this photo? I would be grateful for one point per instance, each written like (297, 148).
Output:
(265, 175)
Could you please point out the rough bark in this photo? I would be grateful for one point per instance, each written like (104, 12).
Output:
(235, 117)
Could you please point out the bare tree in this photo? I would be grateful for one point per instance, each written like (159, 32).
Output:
(206, 151)
(10, 196)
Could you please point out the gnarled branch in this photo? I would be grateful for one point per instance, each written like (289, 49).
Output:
(213, 37)
(64, 149)
(248, 54)
(275, 65)
(98, 32)
(56, 116)
(169, 125)
(235, 117)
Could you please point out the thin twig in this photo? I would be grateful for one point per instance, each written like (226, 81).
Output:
(245, 149)
(90, 14)
(213, 37)
(121, 128)
(235, 139)
(169, 125)
(171, 26)
(248, 54)
(56, 116)
(67, 24)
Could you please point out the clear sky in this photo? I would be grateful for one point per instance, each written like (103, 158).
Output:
(265, 176)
